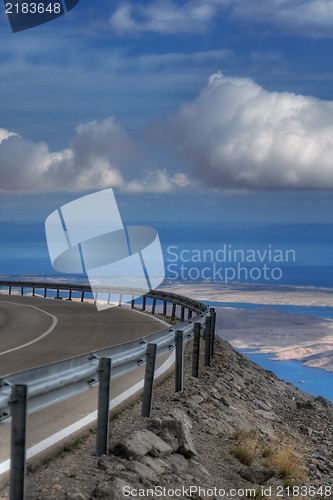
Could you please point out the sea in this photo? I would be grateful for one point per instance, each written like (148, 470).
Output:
(214, 253)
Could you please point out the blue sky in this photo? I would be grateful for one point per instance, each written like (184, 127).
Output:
(199, 110)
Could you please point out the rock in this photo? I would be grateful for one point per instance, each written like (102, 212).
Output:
(264, 406)
(145, 473)
(256, 476)
(323, 401)
(76, 496)
(306, 430)
(142, 443)
(130, 477)
(204, 394)
(201, 468)
(225, 400)
(265, 414)
(111, 491)
(195, 410)
(181, 428)
(179, 424)
(170, 439)
(57, 487)
(304, 405)
(178, 463)
(102, 464)
(312, 468)
(197, 399)
(322, 468)
(157, 465)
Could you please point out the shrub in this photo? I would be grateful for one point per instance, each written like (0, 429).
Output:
(287, 463)
(246, 449)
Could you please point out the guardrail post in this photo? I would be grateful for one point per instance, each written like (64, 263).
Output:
(45, 292)
(22, 290)
(173, 314)
(144, 301)
(132, 302)
(82, 295)
(18, 438)
(212, 327)
(153, 306)
(208, 336)
(103, 414)
(182, 313)
(10, 290)
(164, 307)
(196, 350)
(179, 382)
(147, 400)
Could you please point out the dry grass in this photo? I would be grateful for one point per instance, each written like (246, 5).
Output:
(288, 463)
(281, 456)
(246, 449)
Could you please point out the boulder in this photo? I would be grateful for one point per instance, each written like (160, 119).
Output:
(146, 474)
(256, 476)
(142, 443)
(178, 423)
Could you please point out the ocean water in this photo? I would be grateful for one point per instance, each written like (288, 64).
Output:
(300, 254)
(314, 381)
(311, 380)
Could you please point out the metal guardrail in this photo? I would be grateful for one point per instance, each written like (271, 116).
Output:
(57, 381)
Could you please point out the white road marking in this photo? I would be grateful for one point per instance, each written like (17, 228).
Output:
(37, 339)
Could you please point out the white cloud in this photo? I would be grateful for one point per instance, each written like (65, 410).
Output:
(163, 16)
(235, 134)
(157, 181)
(97, 158)
(90, 162)
(306, 17)
(4, 134)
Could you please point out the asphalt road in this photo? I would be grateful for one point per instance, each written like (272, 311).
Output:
(36, 331)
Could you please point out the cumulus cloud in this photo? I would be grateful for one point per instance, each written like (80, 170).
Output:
(306, 17)
(89, 162)
(236, 134)
(96, 159)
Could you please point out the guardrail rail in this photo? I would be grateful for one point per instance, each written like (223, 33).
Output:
(56, 381)
(34, 389)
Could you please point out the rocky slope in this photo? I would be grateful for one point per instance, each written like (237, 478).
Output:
(236, 432)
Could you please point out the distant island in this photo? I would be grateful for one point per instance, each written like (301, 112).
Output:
(299, 337)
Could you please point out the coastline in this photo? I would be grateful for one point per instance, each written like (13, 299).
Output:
(256, 294)
(300, 337)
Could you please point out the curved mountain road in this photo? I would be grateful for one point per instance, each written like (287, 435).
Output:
(36, 331)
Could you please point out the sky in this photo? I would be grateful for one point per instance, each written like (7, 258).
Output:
(215, 110)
